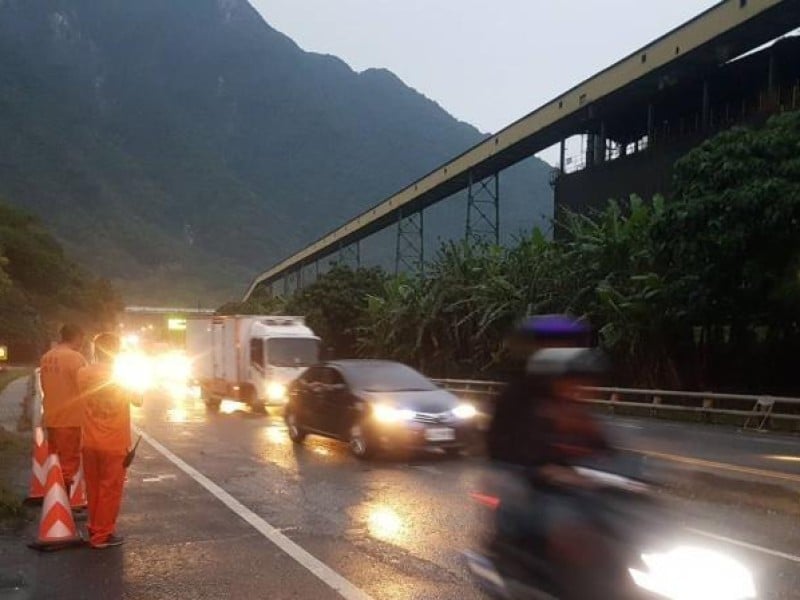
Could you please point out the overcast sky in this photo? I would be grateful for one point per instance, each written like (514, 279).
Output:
(487, 62)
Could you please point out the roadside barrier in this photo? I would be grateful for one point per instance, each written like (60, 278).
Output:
(39, 467)
(757, 412)
(57, 528)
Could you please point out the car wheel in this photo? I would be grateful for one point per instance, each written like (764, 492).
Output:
(359, 445)
(296, 433)
(211, 401)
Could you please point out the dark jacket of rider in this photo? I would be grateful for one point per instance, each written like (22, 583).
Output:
(533, 426)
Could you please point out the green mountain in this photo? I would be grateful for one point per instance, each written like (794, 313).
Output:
(179, 146)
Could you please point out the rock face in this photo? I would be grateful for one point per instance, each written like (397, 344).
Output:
(179, 146)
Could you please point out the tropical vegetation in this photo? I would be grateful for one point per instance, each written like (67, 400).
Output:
(702, 290)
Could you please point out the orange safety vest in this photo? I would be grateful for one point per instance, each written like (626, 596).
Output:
(62, 404)
(107, 419)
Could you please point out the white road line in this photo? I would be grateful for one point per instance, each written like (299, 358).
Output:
(727, 540)
(322, 571)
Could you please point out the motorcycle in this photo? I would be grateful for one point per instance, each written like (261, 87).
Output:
(629, 547)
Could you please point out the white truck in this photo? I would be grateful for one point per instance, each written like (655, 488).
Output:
(249, 358)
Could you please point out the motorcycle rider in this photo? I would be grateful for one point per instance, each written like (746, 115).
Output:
(538, 433)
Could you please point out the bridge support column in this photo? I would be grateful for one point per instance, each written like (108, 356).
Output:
(350, 255)
(483, 210)
(410, 249)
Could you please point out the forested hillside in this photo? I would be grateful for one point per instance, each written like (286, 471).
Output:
(179, 146)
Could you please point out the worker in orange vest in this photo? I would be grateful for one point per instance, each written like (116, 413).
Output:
(106, 440)
(62, 405)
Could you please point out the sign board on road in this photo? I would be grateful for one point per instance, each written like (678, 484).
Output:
(3, 353)
(174, 324)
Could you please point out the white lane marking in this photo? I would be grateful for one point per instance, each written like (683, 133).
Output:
(322, 571)
(158, 478)
(628, 425)
(749, 546)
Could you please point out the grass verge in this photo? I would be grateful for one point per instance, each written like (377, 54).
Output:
(13, 454)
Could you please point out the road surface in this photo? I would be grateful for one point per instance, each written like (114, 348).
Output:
(224, 505)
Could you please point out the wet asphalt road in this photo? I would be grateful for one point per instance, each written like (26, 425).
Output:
(395, 527)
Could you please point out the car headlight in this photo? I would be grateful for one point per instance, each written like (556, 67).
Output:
(389, 414)
(465, 411)
(133, 372)
(687, 573)
(276, 391)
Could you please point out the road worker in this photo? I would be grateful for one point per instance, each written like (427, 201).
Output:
(62, 404)
(106, 440)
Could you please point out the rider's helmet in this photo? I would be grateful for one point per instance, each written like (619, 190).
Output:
(569, 362)
(568, 372)
(554, 330)
(546, 331)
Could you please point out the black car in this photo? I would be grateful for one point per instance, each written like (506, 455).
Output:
(377, 404)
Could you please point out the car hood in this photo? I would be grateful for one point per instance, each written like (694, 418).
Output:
(435, 401)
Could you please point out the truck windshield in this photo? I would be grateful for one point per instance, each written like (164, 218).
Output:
(292, 352)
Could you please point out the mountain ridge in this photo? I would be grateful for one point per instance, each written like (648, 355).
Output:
(180, 147)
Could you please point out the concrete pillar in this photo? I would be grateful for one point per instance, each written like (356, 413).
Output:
(705, 114)
(562, 155)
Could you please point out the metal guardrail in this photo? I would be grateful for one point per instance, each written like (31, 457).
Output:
(758, 410)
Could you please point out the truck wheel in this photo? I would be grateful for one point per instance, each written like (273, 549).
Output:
(296, 433)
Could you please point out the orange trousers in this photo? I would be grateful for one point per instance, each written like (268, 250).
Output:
(66, 443)
(105, 478)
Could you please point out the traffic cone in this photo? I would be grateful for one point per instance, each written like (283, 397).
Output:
(57, 528)
(39, 468)
(77, 497)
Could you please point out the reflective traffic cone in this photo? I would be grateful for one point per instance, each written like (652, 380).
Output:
(39, 467)
(57, 528)
(77, 496)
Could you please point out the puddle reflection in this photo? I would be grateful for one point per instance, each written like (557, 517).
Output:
(385, 524)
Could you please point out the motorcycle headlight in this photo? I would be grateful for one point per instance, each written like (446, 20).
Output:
(464, 411)
(133, 372)
(276, 391)
(687, 573)
(389, 414)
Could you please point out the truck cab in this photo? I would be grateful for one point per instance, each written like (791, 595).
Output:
(249, 358)
(279, 353)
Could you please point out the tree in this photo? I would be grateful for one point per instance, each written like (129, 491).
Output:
(334, 305)
(40, 287)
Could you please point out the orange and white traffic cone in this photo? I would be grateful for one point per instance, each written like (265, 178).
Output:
(77, 496)
(39, 467)
(57, 528)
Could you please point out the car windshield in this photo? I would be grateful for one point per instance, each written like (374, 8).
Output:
(292, 352)
(387, 377)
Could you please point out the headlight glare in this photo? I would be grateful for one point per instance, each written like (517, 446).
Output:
(133, 372)
(276, 391)
(687, 573)
(465, 411)
(389, 414)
